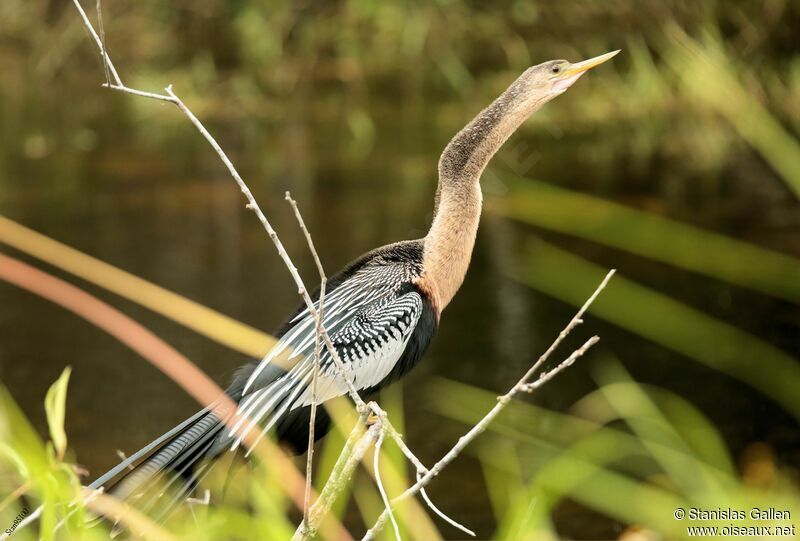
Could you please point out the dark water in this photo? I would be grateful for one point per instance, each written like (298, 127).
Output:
(160, 206)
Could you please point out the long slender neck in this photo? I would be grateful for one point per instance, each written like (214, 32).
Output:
(450, 241)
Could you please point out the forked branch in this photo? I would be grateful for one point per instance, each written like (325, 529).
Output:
(521, 386)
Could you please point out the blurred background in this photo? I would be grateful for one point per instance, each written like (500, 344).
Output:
(678, 163)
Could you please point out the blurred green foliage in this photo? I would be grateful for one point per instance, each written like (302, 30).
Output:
(354, 68)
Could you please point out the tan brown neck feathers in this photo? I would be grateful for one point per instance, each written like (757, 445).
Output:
(450, 241)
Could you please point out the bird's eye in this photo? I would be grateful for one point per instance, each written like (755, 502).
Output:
(555, 69)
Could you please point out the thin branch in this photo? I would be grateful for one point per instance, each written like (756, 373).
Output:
(356, 446)
(141, 93)
(103, 53)
(313, 415)
(102, 40)
(574, 322)
(377, 468)
(312, 420)
(566, 363)
(421, 470)
(493, 413)
(398, 439)
(309, 240)
(441, 514)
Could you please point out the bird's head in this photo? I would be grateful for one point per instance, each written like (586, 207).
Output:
(541, 83)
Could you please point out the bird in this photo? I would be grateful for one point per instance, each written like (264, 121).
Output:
(381, 311)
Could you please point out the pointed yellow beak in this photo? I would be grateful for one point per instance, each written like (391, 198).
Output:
(580, 67)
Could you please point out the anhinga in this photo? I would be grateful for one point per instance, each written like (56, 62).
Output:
(381, 311)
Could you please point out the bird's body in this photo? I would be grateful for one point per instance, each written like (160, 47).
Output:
(378, 319)
(381, 311)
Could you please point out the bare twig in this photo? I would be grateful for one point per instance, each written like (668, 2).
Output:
(102, 40)
(103, 53)
(356, 446)
(443, 516)
(141, 93)
(389, 429)
(547, 376)
(171, 97)
(377, 467)
(398, 439)
(502, 401)
(322, 277)
(323, 280)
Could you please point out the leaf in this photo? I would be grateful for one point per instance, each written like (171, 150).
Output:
(54, 405)
(655, 237)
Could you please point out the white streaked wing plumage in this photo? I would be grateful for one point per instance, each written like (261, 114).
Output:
(369, 324)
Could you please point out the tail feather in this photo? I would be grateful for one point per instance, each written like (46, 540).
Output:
(145, 451)
(187, 477)
(175, 454)
(176, 462)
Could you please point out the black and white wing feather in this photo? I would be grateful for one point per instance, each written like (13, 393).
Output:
(370, 318)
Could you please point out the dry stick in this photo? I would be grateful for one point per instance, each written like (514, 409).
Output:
(502, 401)
(323, 280)
(421, 470)
(356, 446)
(441, 514)
(99, 42)
(102, 40)
(377, 467)
(386, 426)
(547, 376)
(253, 205)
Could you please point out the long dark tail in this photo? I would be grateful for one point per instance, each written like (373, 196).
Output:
(176, 460)
(173, 458)
(179, 459)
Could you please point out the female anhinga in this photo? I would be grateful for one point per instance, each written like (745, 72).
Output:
(381, 311)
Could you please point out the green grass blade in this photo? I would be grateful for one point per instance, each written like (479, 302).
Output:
(709, 76)
(661, 239)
